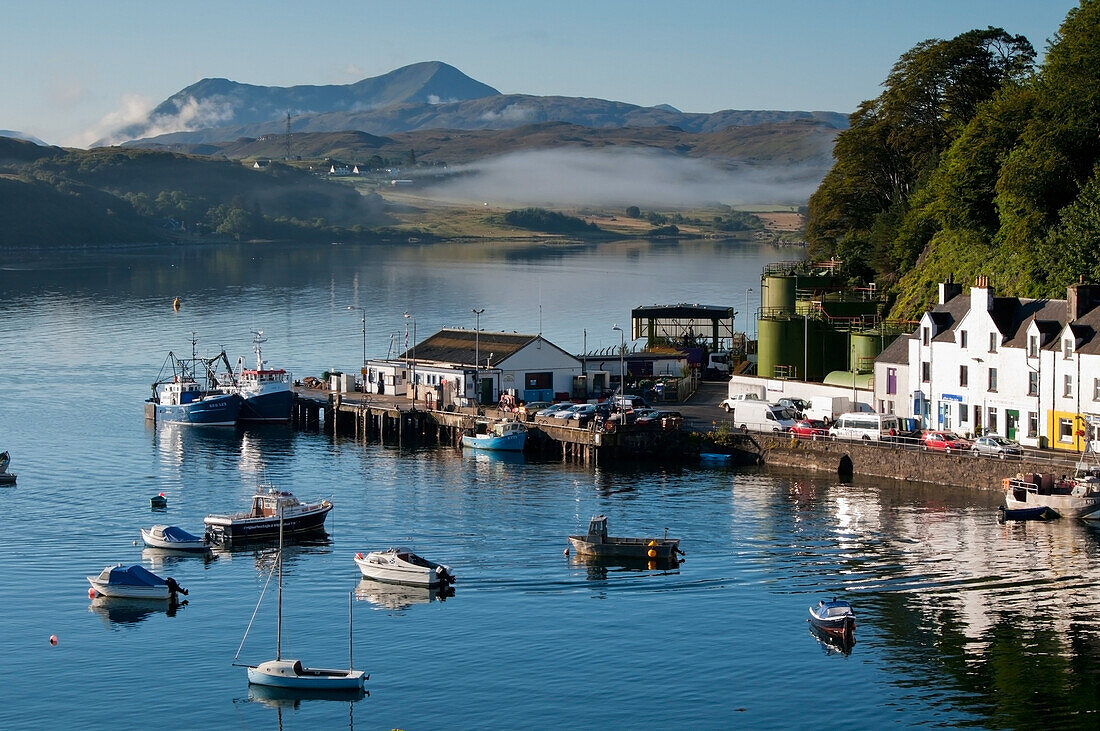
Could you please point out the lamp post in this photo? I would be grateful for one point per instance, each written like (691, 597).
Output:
(622, 369)
(412, 368)
(477, 351)
(363, 311)
(748, 319)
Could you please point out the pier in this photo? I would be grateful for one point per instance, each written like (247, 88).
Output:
(400, 422)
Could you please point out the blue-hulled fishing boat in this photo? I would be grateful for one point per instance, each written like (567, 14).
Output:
(179, 397)
(266, 392)
(502, 436)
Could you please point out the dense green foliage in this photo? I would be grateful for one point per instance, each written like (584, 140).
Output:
(540, 219)
(968, 163)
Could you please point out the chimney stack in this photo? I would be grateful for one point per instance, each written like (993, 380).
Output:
(1080, 298)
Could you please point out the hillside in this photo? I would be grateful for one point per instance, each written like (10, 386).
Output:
(998, 177)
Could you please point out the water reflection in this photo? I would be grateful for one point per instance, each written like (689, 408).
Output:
(293, 697)
(157, 559)
(598, 568)
(117, 612)
(831, 644)
(399, 596)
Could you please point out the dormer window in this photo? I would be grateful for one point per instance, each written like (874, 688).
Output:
(1033, 346)
(1067, 348)
(992, 342)
(962, 338)
(925, 335)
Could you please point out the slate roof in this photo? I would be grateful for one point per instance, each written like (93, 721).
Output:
(896, 352)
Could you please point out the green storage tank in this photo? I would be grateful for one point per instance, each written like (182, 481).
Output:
(865, 347)
(777, 293)
(779, 343)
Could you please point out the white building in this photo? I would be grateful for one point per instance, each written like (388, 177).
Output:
(1028, 369)
(464, 367)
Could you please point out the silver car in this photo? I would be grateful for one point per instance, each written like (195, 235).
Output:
(994, 446)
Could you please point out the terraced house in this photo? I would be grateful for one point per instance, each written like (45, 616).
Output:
(1027, 369)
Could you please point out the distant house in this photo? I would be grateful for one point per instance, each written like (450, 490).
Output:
(402, 181)
(260, 164)
(465, 367)
(339, 170)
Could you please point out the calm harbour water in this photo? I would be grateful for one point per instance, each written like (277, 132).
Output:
(961, 621)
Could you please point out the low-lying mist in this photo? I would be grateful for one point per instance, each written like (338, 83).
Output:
(624, 177)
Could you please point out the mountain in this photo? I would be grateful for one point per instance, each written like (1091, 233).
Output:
(422, 96)
(13, 134)
(221, 102)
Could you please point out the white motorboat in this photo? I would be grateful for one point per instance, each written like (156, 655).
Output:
(133, 582)
(174, 538)
(402, 566)
(286, 673)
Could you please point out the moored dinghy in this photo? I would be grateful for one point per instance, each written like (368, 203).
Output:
(834, 617)
(598, 543)
(134, 582)
(173, 538)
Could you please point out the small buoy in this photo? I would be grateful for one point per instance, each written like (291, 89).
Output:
(176, 304)
(565, 552)
(53, 640)
(653, 553)
(91, 593)
(135, 543)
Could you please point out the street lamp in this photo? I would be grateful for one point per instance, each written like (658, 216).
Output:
(477, 352)
(748, 320)
(363, 310)
(412, 369)
(622, 370)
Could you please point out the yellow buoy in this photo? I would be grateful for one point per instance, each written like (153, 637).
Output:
(176, 304)
(653, 553)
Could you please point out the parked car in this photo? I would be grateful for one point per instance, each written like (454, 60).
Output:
(809, 428)
(995, 446)
(629, 401)
(943, 441)
(646, 416)
(793, 405)
(582, 412)
(729, 403)
(554, 409)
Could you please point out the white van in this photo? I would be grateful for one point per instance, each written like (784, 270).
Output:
(759, 416)
(865, 425)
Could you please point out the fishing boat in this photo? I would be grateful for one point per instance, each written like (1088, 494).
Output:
(402, 566)
(1077, 496)
(833, 617)
(287, 673)
(506, 435)
(174, 538)
(1040, 513)
(598, 543)
(265, 392)
(133, 582)
(180, 398)
(273, 512)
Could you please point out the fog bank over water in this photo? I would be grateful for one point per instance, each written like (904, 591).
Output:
(620, 177)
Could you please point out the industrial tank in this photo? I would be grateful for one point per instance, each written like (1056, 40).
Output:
(865, 347)
(777, 293)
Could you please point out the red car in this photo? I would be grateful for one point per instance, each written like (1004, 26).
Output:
(943, 441)
(809, 429)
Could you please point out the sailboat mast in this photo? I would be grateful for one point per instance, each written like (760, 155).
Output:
(279, 603)
(351, 663)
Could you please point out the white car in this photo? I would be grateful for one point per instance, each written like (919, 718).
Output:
(553, 409)
(583, 411)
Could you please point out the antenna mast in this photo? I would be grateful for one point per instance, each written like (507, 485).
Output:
(287, 158)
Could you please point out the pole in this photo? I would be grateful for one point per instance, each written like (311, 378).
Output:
(622, 366)
(477, 351)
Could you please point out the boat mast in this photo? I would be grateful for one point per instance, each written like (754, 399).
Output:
(258, 338)
(279, 602)
(351, 663)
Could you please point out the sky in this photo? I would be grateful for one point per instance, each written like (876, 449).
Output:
(72, 70)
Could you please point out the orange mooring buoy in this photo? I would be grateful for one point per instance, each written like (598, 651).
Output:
(176, 304)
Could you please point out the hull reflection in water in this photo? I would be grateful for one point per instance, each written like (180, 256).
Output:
(832, 644)
(399, 596)
(599, 567)
(116, 612)
(159, 558)
(275, 697)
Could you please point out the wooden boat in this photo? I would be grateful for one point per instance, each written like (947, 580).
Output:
(402, 566)
(1072, 497)
(262, 522)
(173, 538)
(505, 436)
(286, 673)
(598, 543)
(834, 617)
(134, 582)
(1039, 513)
(5, 460)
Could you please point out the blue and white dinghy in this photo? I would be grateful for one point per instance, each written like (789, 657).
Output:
(134, 582)
(173, 538)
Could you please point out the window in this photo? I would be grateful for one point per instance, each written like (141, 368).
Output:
(962, 413)
(1067, 348)
(926, 372)
(962, 338)
(1033, 383)
(992, 379)
(1096, 389)
(1032, 424)
(992, 342)
(1033, 346)
(963, 377)
(892, 380)
(889, 407)
(1067, 386)
(925, 335)
(992, 420)
(1065, 430)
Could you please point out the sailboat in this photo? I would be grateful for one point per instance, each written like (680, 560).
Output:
(287, 673)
